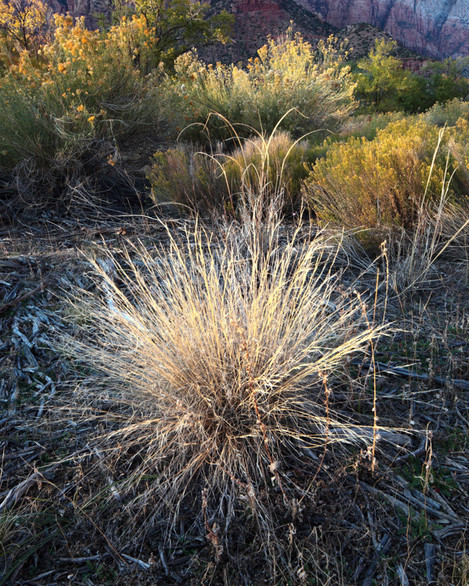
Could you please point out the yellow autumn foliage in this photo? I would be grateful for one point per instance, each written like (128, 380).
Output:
(81, 86)
(22, 22)
(381, 183)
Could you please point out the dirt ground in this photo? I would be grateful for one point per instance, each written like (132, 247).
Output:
(63, 520)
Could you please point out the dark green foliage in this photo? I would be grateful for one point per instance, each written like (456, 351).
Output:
(384, 85)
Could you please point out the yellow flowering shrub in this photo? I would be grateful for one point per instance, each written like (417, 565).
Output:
(380, 184)
(81, 88)
(286, 75)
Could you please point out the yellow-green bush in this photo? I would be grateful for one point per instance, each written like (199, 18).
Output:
(449, 113)
(260, 166)
(286, 74)
(380, 183)
(74, 101)
(459, 145)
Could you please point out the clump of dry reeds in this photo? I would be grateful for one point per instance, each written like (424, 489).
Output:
(212, 363)
(219, 183)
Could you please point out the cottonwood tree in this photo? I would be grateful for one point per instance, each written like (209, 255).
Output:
(382, 78)
(22, 23)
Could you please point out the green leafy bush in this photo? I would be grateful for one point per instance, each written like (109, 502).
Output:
(385, 85)
(189, 178)
(448, 114)
(368, 125)
(382, 81)
(442, 81)
(459, 145)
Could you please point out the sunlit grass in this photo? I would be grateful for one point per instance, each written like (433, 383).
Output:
(215, 365)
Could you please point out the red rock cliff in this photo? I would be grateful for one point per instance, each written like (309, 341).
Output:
(438, 28)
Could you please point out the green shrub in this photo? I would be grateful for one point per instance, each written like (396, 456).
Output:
(382, 81)
(459, 146)
(380, 184)
(441, 81)
(448, 114)
(286, 75)
(364, 126)
(368, 125)
(259, 167)
(385, 85)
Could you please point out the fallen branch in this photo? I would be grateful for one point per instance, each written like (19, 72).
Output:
(430, 559)
(90, 558)
(399, 371)
(140, 563)
(455, 529)
(15, 302)
(383, 547)
(367, 433)
(418, 452)
(395, 502)
(18, 491)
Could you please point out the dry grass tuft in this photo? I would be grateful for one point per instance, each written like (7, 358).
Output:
(214, 366)
(262, 167)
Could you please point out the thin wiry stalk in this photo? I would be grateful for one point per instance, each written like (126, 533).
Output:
(414, 261)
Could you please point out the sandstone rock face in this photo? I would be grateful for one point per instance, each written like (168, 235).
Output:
(90, 9)
(438, 28)
(257, 20)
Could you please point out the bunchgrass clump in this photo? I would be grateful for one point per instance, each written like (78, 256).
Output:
(219, 182)
(213, 364)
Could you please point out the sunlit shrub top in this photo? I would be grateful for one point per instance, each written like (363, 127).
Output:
(286, 74)
(381, 183)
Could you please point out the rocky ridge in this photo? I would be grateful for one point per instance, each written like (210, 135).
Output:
(437, 28)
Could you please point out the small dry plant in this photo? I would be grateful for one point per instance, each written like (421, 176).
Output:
(260, 167)
(440, 227)
(211, 371)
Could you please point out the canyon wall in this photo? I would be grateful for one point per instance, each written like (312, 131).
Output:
(437, 28)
